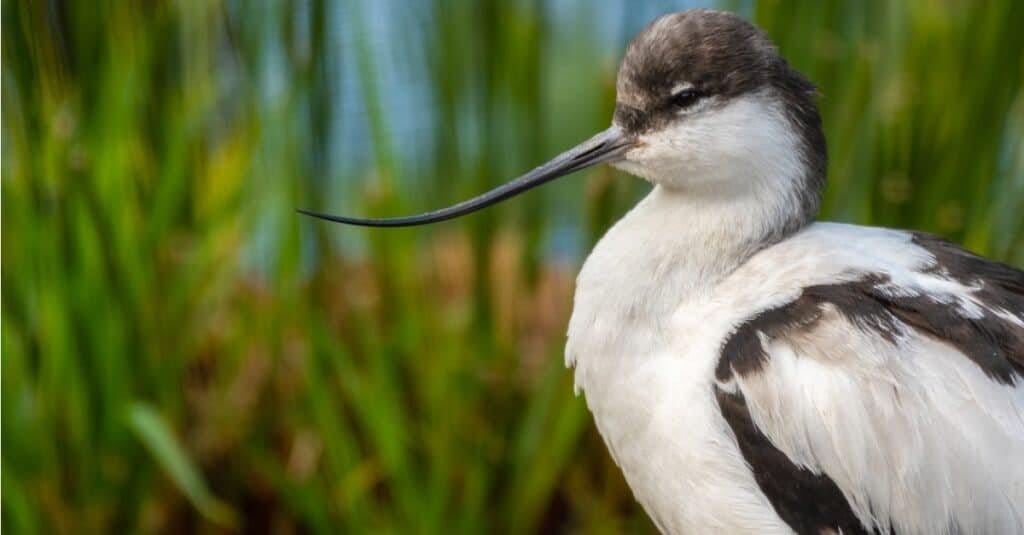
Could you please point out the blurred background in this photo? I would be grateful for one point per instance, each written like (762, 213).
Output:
(181, 352)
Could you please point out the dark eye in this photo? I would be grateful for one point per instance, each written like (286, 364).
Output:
(685, 98)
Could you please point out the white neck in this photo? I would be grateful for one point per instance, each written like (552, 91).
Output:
(673, 246)
(674, 243)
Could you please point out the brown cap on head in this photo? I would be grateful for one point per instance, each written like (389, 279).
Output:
(718, 52)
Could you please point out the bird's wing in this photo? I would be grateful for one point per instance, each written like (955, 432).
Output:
(892, 399)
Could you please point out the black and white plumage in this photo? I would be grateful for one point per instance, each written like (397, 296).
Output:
(752, 371)
(845, 378)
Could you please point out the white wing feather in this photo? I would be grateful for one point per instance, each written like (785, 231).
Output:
(917, 437)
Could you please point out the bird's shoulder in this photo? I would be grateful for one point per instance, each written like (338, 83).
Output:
(887, 285)
(875, 381)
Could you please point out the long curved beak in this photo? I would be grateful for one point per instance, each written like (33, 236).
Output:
(608, 146)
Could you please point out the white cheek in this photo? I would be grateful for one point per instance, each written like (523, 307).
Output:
(746, 138)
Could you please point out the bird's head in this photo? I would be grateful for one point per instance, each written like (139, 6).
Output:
(705, 105)
(711, 106)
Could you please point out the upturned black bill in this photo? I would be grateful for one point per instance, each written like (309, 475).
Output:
(608, 146)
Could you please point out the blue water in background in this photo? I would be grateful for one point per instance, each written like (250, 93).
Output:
(393, 32)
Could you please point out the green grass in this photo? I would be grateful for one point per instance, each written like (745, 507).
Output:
(181, 352)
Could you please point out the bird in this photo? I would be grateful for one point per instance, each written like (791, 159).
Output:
(751, 369)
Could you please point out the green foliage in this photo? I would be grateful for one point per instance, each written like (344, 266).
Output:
(153, 432)
(181, 352)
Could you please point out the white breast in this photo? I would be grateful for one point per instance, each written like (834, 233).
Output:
(661, 424)
(647, 377)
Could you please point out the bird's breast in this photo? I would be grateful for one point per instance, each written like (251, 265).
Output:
(644, 355)
(652, 401)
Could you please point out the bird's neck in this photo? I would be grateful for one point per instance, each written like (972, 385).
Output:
(677, 245)
(673, 247)
(691, 239)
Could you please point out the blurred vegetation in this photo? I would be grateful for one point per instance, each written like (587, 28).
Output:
(181, 352)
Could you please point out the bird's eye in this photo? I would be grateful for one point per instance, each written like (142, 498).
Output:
(685, 98)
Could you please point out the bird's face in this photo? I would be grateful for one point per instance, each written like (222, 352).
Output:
(703, 100)
(709, 105)
(688, 138)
